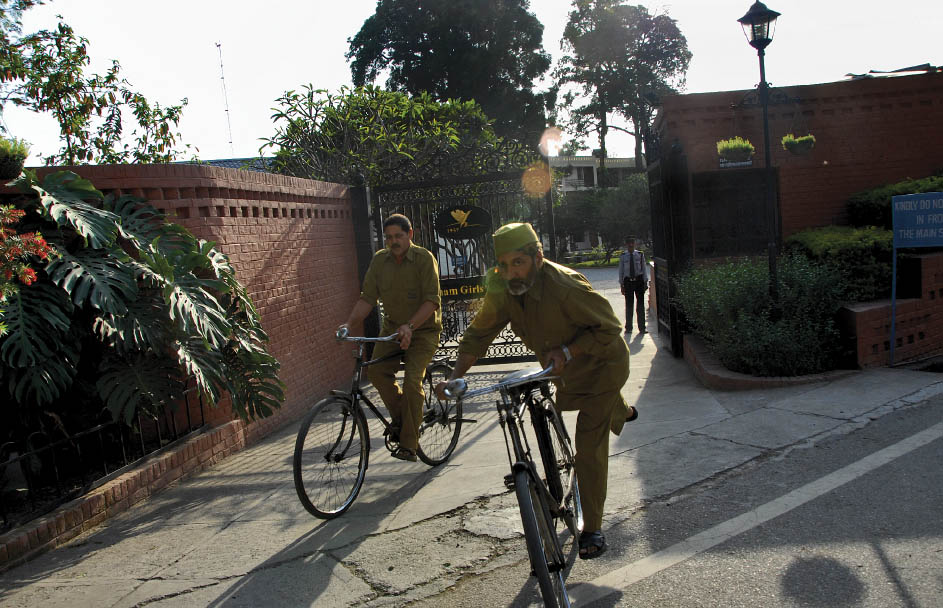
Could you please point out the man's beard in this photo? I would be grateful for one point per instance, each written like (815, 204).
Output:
(518, 287)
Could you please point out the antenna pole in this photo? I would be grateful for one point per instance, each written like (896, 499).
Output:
(222, 78)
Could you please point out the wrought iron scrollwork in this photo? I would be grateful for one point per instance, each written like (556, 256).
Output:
(463, 262)
(776, 97)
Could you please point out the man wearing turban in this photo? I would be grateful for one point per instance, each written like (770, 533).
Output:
(559, 316)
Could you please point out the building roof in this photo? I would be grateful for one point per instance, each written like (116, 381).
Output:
(252, 163)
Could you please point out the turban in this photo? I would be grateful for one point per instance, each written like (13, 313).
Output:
(512, 237)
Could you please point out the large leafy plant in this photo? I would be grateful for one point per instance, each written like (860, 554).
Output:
(130, 311)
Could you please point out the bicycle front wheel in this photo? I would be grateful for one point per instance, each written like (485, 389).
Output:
(330, 460)
(543, 547)
(441, 420)
(559, 460)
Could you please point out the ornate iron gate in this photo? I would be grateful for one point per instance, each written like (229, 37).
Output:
(454, 219)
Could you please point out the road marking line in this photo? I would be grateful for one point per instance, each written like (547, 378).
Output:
(626, 576)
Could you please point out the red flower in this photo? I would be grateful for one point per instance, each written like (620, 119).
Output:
(27, 275)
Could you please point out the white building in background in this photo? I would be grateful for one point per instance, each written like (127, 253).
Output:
(582, 172)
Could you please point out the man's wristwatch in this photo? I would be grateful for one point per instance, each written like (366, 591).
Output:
(410, 326)
(566, 353)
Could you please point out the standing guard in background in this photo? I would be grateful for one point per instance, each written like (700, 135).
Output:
(633, 279)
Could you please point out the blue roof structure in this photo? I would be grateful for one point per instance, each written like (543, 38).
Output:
(253, 163)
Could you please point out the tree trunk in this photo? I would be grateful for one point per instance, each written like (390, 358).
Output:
(641, 126)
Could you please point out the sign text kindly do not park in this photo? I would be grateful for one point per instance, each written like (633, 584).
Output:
(918, 220)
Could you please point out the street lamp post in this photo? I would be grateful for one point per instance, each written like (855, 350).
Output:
(758, 25)
(550, 146)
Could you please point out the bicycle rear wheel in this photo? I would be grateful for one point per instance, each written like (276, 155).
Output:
(441, 420)
(330, 459)
(559, 461)
(543, 548)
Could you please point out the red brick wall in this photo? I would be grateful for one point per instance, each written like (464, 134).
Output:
(868, 132)
(918, 330)
(291, 242)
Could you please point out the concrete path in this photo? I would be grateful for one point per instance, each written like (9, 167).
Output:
(236, 535)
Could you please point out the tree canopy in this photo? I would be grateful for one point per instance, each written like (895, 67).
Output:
(371, 136)
(619, 59)
(44, 72)
(610, 213)
(489, 51)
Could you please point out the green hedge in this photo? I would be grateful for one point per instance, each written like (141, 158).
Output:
(862, 256)
(873, 207)
(729, 307)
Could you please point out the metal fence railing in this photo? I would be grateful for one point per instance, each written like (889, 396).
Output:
(47, 468)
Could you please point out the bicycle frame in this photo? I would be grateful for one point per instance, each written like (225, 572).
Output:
(537, 407)
(511, 418)
(356, 394)
(511, 409)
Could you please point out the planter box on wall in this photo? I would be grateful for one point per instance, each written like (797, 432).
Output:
(732, 164)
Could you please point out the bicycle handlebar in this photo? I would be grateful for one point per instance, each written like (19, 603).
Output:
(458, 388)
(343, 334)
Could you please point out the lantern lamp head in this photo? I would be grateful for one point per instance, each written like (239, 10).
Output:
(758, 25)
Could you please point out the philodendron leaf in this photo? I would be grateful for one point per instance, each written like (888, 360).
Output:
(131, 384)
(94, 277)
(37, 317)
(45, 382)
(63, 195)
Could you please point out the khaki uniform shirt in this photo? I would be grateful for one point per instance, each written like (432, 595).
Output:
(404, 287)
(560, 308)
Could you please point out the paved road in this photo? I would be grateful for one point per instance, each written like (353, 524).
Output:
(237, 536)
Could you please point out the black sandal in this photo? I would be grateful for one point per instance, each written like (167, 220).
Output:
(592, 540)
(634, 414)
(405, 454)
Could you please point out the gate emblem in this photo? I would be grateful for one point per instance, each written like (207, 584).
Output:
(463, 222)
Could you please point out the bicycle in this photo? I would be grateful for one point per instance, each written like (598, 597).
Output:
(333, 444)
(542, 504)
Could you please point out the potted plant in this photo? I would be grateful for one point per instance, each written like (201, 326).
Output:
(13, 153)
(735, 150)
(798, 145)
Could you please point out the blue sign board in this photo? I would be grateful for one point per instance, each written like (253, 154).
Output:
(918, 220)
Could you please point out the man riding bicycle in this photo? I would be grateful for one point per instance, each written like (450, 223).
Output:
(405, 277)
(559, 316)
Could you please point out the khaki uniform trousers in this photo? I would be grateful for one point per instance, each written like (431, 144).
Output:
(404, 403)
(598, 415)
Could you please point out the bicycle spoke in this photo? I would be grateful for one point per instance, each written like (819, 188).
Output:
(441, 420)
(566, 466)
